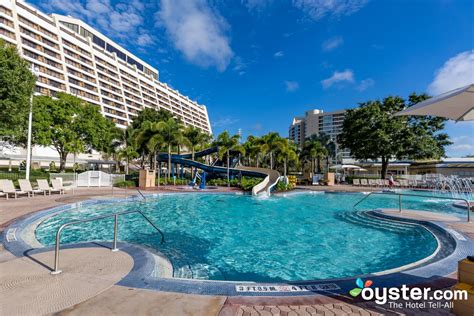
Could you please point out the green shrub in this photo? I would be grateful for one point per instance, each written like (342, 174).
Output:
(52, 166)
(248, 183)
(179, 181)
(282, 186)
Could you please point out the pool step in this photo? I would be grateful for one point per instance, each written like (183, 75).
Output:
(366, 220)
(384, 221)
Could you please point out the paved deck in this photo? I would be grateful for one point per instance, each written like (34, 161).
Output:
(28, 288)
(87, 286)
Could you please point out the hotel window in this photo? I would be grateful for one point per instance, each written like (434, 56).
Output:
(98, 41)
(5, 11)
(37, 27)
(112, 49)
(7, 33)
(6, 22)
(71, 26)
(86, 33)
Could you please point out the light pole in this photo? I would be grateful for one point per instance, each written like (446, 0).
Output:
(34, 70)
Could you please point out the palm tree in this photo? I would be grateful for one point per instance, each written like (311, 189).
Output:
(271, 143)
(226, 144)
(148, 138)
(327, 142)
(195, 137)
(251, 147)
(171, 133)
(128, 153)
(287, 152)
(316, 151)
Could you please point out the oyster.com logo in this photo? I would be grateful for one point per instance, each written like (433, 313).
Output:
(360, 286)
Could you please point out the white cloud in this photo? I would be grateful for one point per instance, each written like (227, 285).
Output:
(457, 72)
(462, 145)
(332, 43)
(118, 19)
(338, 76)
(240, 66)
(365, 84)
(317, 9)
(256, 4)
(291, 86)
(144, 40)
(279, 54)
(197, 31)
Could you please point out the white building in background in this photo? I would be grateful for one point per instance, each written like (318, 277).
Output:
(316, 122)
(73, 57)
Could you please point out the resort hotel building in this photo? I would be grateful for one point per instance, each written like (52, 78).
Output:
(315, 122)
(72, 57)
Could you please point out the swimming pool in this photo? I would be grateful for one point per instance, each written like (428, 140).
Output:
(243, 238)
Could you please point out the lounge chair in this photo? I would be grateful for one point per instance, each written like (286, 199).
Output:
(363, 182)
(25, 185)
(8, 188)
(356, 182)
(1, 190)
(58, 185)
(44, 185)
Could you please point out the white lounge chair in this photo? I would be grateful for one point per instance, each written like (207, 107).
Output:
(1, 190)
(356, 182)
(363, 182)
(58, 185)
(8, 188)
(25, 185)
(44, 185)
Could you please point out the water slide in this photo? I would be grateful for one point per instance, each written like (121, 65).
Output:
(270, 177)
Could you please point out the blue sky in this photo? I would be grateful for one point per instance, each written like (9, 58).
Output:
(256, 64)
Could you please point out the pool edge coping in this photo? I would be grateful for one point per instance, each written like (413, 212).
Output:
(141, 274)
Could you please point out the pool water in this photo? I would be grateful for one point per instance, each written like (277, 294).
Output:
(244, 238)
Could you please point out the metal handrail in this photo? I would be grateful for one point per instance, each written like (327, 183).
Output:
(143, 196)
(418, 195)
(114, 247)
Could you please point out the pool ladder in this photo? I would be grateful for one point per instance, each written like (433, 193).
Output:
(114, 245)
(417, 195)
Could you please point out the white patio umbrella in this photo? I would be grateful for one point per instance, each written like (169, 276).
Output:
(456, 105)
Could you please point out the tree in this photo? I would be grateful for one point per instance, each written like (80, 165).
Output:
(286, 153)
(227, 144)
(137, 128)
(171, 132)
(326, 142)
(272, 141)
(315, 151)
(150, 139)
(195, 137)
(150, 115)
(128, 153)
(16, 87)
(373, 132)
(70, 125)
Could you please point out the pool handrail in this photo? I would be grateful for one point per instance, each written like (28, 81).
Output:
(139, 191)
(418, 195)
(114, 247)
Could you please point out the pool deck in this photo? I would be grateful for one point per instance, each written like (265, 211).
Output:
(88, 285)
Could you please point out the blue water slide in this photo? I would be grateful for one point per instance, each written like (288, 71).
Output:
(184, 160)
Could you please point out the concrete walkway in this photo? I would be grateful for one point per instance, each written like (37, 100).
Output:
(28, 288)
